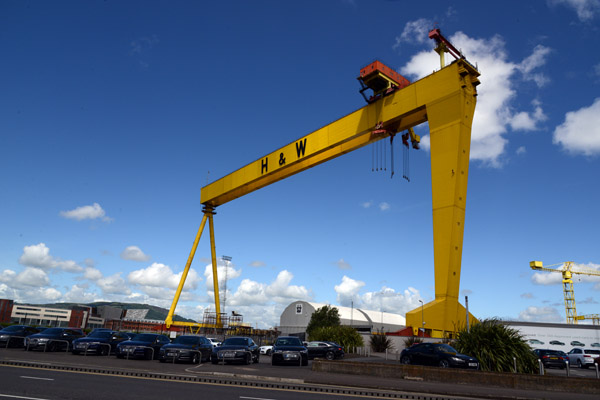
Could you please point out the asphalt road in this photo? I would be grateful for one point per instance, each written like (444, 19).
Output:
(226, 381)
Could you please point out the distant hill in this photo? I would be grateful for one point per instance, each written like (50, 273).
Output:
(154, 312)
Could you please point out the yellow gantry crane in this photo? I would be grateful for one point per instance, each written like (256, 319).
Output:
(567, 271)
(446, 99)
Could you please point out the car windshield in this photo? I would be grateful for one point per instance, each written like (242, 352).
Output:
(288, 342)
(53, 331)
(144, 337)
(187, 340)
(445, 348)
(100, 334)
(235, 342)
(14, 328)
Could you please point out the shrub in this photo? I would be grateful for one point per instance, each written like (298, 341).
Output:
(380, 343)
(412, 340)
(496, 345)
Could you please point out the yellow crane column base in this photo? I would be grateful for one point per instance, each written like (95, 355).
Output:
(443, 317)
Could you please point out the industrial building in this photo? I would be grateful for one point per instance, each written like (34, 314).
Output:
(296, 316)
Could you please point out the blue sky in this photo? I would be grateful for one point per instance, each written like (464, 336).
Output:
(114, 114)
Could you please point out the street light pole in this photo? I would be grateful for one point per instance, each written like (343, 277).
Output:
(422, 317)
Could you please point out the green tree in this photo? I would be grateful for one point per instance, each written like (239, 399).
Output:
(496, 346)
(323, 317)
(345, 336)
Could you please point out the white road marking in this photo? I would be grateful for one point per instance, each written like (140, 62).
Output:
(254, 398)
(35, 377)
(20, 397)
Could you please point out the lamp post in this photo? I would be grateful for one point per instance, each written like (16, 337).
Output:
(422, 317)
(227, 259)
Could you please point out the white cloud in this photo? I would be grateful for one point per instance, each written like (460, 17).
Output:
(414, 32)
(347, 290)
(79, 294)
(31, 277)
(38, 256)
(94, 211)
(541, 314)
(532, 62)
(528, 121)
(341, 264)
(223, 271)
(494, 112)
(279, 291)
(134, 253)
(92, 274)
(580, 132)
(521, 150)
(366, 204)
(113, 285)
(388, 300)
(383, 206)
(586, 9)
(162, 276)
(257, 264)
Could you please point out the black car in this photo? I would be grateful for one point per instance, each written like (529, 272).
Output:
(194, 349)
(552, 358)
(289, 349)
(142, 345)
(100, 341)
(14, 335)
(241, 349)
(439, 354)
(327, 350)
(53, 339)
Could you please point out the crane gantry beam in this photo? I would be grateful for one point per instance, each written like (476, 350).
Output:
(446, 99)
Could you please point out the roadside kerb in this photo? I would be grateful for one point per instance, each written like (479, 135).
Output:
(451, 375)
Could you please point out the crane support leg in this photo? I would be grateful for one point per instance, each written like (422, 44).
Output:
(208, 215)
(450, 120)
(169, 319)
(213, 255)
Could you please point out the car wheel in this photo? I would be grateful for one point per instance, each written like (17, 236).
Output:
(195, 358)
(304, 362)
(405, 360)
(444, 364)
(273, 362)
(214, 361)
(256, 359)
(75, 352)
(103, 351)
(248, 359)
(579, 364)
(120, 356)
(162, 360)
(329, 355)
(269, 352)
(52, 347)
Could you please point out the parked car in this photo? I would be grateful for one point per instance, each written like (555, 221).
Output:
(577, 343)
(14, 335)
(267, 350)
(326, 350)
(214, 342)
(552, 358)
(595, 345)
(583, 358)
(289, 349)
(143, 345)
(557, 343)
(53, 339)
(99, 341)
(439, 354)
(241, 349)
(535, 341)
(192, 348)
